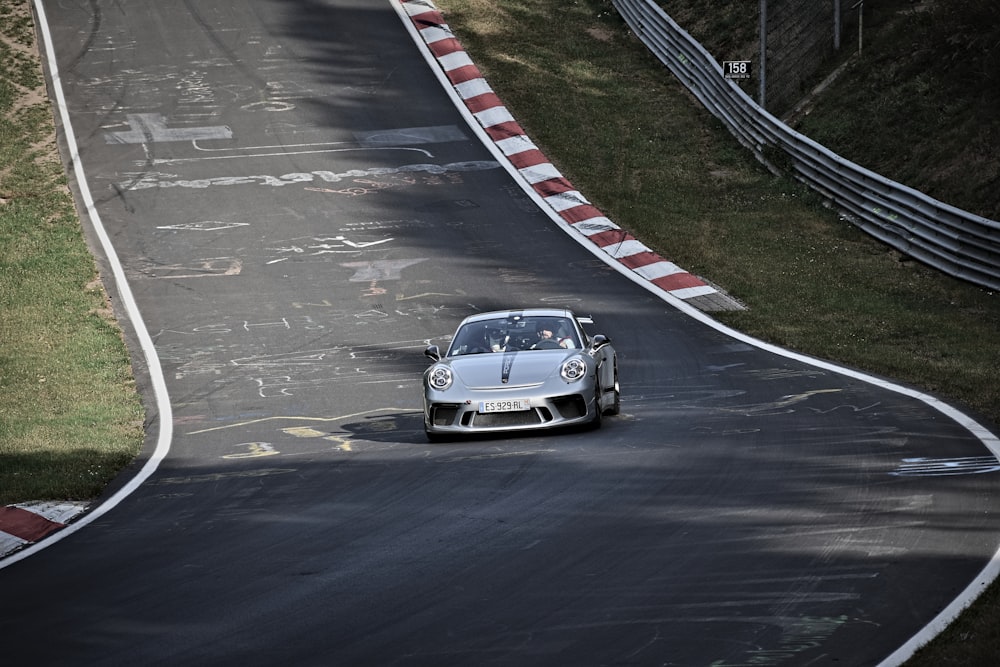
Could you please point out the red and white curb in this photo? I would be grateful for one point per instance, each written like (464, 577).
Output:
(27, 523)
(554, 189)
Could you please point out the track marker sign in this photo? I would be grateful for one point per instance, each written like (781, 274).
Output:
(736, 69)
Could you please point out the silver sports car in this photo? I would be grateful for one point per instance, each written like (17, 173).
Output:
(519, 369)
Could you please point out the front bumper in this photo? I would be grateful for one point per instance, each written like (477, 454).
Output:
(443, 416)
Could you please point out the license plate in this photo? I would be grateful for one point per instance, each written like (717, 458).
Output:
(512, 405)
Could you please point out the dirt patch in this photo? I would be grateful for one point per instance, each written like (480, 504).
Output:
(600, 34)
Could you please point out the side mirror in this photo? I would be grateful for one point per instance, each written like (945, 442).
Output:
(598, 341)
(433, 352)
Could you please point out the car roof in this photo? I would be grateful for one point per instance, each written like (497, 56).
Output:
(524, 312)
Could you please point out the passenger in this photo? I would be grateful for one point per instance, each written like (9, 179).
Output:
(496, 339)
(474, 340)
(565, 337)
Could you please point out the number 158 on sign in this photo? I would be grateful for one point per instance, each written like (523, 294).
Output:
(736, 69)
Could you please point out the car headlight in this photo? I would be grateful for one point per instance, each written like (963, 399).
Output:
(439, 378)
(573, 369)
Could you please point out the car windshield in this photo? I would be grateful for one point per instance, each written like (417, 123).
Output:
(515, 333)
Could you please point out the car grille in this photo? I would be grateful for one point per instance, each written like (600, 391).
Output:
(520, 418)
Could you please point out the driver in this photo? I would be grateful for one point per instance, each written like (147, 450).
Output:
(496, 339)
(547, 337)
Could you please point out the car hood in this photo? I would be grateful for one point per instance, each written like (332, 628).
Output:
(508, 369)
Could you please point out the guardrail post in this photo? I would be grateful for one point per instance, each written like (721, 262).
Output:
(860, 6)
(836, 25)
(762, 93)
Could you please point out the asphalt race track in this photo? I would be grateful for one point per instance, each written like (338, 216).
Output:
(299, 208)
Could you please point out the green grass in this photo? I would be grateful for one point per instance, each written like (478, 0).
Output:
(627, 135)
(70, 418)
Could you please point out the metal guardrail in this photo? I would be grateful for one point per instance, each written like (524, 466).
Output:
(954, 241)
